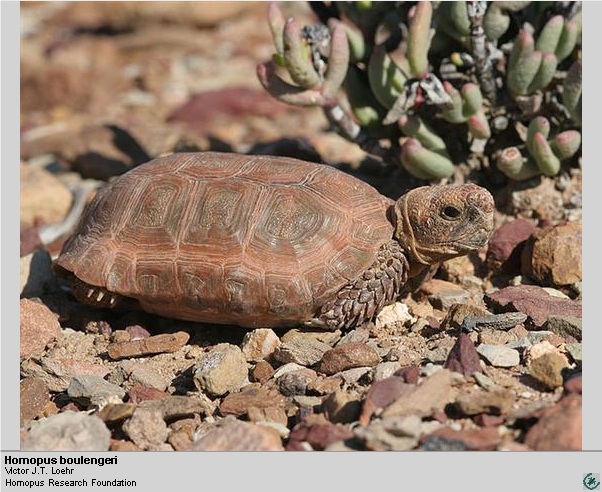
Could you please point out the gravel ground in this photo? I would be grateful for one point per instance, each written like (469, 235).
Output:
(486, 355)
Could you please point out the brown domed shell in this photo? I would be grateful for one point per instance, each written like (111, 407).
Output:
(228, 238)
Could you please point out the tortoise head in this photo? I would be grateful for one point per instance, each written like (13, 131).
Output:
(436, 223)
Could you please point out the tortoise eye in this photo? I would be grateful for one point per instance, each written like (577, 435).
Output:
(450, 212)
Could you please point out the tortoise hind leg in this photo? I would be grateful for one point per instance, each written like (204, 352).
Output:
(363, 297)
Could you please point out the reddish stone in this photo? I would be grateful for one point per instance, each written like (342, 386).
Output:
(137, 332)
(238, 403)
(158, 344)
(507, 243)
(234, 435)
(381, 394)
(138, 393)
(39, 326)
(559, 427)
(463, 357)
(34, 396)
(409, 374)
(318, 432)
(348, 356)
(203, 109)
(534, 301)
(261, 372)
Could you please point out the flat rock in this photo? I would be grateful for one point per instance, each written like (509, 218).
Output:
(358, 335)
(445, 299)
(180, 406)
(142, 374)
(222, 369)
(238, 404)
(305, 351)
(493, 336)
(565, 326)
(94, 390)
(57, 373)
(259, 344)
(329, 337)
(506, 245)
(234, 435)
(348, 356)
(157, 344)
(499, 355)
(535, 302)
(38, 326)
(269, 415)
(68, 431)
(385, 370)
(559, 427)
(478, 401)
(536, 337)
(552, 256)
(431, 395)
(436, 286)
(34, 396)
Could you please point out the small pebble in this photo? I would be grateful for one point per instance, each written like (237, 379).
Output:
(223, 369)
(68, 431)
(499, 356)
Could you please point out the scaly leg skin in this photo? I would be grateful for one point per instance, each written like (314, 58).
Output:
(378, 286)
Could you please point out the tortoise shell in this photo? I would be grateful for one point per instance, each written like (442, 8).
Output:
(229, 238)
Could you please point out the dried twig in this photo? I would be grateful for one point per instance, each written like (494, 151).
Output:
(481, 50)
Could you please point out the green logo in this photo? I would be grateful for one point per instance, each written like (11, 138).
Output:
(591, 481)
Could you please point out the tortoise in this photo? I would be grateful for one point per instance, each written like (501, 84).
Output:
(264, 241)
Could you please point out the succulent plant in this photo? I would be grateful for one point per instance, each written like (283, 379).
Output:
(544, 155)
(403, 79)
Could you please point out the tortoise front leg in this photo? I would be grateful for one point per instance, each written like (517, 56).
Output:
(362, 298)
